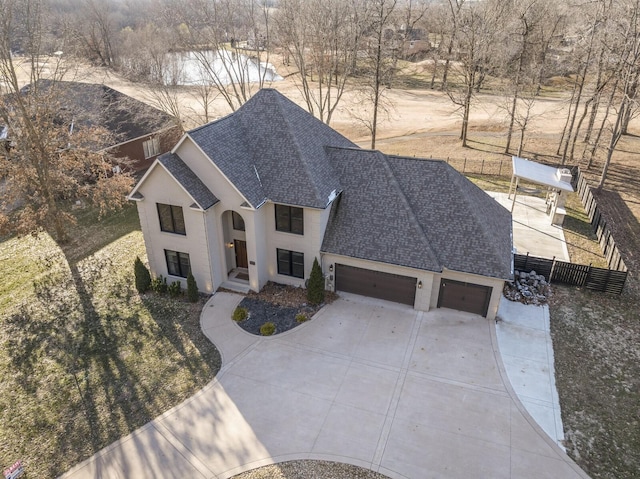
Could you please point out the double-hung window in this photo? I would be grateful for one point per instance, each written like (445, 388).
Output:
(289, 219)
(291, 263)
(171, 219)
(177, 263)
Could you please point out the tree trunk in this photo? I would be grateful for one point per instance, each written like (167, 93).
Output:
(617, 132)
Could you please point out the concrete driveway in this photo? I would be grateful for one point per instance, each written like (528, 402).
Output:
(405, 393)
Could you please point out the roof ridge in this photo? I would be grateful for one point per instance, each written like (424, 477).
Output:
(394, 181)
(212, 122)
(279, 98)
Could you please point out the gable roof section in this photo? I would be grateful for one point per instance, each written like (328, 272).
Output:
(271, 149)
(193, 186)
(417, 213)
(469, 231)
(372, 219)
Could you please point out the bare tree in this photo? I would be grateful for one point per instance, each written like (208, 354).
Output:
(477, 27)
(585, 52)
(535, 23)
(48, 165)
(381, 50)
(629, 73)
(455, 7)
(321, 37)
(230, 40)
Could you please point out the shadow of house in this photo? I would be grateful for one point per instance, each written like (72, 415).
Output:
(137, 132)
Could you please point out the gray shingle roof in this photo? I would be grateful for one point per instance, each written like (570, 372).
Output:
(372, 219)
(416, 213)
(468, 230)
(188, 179)
(270, 148)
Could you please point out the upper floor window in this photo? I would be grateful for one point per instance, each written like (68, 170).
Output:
(178, 263)
(238, 222)
(171, 219)
(289, 219)
(151, 147)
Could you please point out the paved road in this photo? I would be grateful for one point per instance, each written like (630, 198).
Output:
(402, 392)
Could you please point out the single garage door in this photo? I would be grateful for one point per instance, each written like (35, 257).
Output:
(375, 284)
(469, 297)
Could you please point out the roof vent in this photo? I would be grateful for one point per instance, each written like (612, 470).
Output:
(564, 174)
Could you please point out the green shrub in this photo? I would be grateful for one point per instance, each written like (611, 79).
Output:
(301, 318)
(192, 288)
(143, 277)
(159, 285)
(268, 328)
(315, 287)
(240, 314)
(175, 289)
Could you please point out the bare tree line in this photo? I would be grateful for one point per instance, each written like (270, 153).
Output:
(517, 50)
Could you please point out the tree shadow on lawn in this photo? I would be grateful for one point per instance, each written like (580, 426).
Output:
(93, 361)
(63, 338)
(92, 232)
(178, 321)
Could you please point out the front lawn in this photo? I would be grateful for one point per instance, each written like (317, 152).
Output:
(84, 359)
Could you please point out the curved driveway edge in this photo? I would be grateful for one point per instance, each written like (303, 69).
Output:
(375, 384)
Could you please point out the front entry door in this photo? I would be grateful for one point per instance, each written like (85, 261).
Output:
(241, 253)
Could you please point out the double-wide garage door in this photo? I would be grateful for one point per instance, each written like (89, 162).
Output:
(376, 284)
(469, 297)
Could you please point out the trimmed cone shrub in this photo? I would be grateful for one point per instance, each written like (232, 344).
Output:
(192, 288)
(143, 277)
(315, 287)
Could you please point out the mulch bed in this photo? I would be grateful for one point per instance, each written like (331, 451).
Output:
(280, 305)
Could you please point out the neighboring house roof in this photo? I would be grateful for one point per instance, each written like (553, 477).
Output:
(271, 149)
(194, 187)
(417, 213)
(90, 104)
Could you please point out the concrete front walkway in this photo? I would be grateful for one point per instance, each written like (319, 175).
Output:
(405, 393)
(526, 349)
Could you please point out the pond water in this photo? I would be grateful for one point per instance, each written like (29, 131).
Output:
(220, 67)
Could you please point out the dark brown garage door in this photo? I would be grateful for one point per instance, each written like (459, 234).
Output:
(469, 297)
(375, 284)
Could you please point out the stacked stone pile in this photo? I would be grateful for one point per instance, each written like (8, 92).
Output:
(528, 288)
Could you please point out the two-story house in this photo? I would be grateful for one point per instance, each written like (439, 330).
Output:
(257, 195)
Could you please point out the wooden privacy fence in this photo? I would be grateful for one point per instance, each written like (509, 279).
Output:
(587, 276)
(599, 225)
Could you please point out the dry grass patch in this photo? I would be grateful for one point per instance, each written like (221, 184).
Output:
(596, 342)
(84, 359)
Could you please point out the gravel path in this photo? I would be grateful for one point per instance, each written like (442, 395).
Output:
(309, 469)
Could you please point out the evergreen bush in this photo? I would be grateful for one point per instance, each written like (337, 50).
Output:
(143, 277)
(174, 289)
(192, 288)
(159, 285)
(315, 287)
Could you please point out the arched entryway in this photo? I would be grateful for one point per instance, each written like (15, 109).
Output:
(235, 247)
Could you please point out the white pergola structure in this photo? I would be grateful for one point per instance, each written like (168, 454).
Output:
(556, 180)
